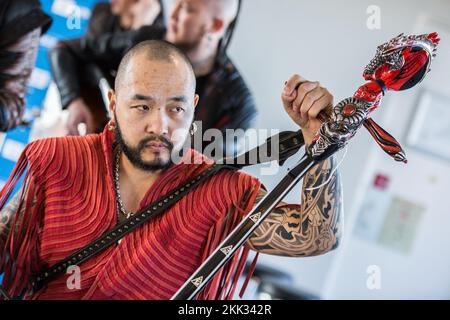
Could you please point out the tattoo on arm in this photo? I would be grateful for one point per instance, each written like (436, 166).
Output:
(6, 217)
(309, 229)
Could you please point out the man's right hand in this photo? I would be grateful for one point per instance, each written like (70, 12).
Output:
(79, 113)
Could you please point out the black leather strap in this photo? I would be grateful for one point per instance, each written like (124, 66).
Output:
(289, 143)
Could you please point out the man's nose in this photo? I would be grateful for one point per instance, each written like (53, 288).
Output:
(175, 10)
(158, 123)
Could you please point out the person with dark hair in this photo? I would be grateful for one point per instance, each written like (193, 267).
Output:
(21, 24)
(77, 188)
(202, 29)
(74, 64)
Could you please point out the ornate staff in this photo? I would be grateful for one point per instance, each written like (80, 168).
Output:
(398, 65)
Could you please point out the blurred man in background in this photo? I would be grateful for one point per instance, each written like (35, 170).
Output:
(202, 29)
(77, 70)
(21, 24)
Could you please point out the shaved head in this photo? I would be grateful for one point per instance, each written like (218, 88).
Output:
(153, 50)
(153, 104)
(200, 27)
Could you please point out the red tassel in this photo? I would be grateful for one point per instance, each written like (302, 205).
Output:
(20, 261)
(224, 283)
(13, 179)
(249, 275)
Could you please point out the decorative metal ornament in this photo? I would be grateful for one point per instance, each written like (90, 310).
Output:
(193, 128)
(399, 64)
(111, 125)
(120, 205)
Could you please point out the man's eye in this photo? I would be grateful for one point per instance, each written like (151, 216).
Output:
(142, 108)
(177, 110)
(188, 7)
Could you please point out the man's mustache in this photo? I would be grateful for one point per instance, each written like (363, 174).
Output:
(155, 138)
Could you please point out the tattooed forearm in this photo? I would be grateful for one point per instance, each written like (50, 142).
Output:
(309, 229)
(6, 217)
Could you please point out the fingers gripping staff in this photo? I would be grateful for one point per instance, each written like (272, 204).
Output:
(398, 65)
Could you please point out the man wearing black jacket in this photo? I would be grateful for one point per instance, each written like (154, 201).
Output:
(203, 30)
(21, 24)
(74, 62)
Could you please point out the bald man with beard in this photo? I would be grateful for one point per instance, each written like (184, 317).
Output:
(202, 29)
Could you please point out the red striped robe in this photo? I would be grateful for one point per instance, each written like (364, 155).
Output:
(72, 181)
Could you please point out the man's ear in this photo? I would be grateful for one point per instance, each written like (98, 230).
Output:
(112, 101)
(196, 99)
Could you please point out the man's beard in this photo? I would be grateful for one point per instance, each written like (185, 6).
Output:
(188, 47)
(134, 153)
